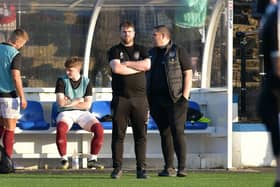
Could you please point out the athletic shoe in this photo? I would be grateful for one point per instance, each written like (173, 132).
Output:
(181, 173)
(94, 165)
(169, 172)
(64, 164)
(141, 174)
(116, 173)
(277, 184)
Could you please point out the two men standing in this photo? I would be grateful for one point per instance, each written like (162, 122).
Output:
(168, 87)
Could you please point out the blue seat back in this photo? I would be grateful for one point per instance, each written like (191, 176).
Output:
(194, 105)
(32, 118)
(151, 124)
(54, 114)
(102, 109)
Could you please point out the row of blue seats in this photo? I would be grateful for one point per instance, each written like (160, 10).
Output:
(32, 118)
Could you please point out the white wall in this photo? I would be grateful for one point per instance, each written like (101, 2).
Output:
(252, 149)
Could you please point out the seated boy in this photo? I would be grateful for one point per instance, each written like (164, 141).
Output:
(74, 99)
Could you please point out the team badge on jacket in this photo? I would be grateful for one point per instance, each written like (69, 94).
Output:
(121, 56)
(136, 55)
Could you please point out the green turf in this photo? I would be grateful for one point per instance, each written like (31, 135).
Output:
(194, 179)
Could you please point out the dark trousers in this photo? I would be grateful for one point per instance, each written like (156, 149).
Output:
(135, 112)
(170, 118)
(269, 109)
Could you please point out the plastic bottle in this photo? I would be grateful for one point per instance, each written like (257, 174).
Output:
(98, 79)
(75, 160)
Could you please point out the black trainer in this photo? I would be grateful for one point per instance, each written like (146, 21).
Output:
(116, 173)
(141, 174)
(169, 172)
(64, 164)
(181, 173)
(94, 165)
(277, 184)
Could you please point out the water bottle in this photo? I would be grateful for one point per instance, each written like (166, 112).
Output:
(98, 79)
(75, 160)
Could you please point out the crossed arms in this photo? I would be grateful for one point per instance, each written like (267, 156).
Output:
(130, 67)
(78, 103)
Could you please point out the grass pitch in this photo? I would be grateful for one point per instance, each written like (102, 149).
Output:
(97, 179)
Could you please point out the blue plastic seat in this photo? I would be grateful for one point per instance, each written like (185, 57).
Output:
(101, 108)
(102, 111)
(54, 114)
(151, 124)
(32, 118)
(196, 125)
(194, 105)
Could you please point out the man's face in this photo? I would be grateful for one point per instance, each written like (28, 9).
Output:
(73, 72)
(157, 38)
(127, 35)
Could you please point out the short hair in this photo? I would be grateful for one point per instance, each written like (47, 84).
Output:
(163, 29)
(18, 33)
(73, 62)
(126, 24)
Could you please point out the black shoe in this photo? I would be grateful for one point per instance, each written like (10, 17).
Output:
(64, 164)
(169, 172)
(181, 173)
(141, 174)
(93, 164)
(116, 173)
(277, 184)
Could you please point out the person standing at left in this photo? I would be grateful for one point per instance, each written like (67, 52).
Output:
(11, 90)
(129, 62)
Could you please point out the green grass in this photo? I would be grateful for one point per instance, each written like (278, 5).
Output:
(194, 179)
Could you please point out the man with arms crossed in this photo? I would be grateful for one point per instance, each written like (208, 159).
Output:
(129, 62)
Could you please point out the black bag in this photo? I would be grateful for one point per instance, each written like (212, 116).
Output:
(106, 118)
(193, 114)
(6, 164)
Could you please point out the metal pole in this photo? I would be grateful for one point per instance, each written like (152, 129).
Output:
(93, 20)
(209, 43)
(229, 82)
(243, 44)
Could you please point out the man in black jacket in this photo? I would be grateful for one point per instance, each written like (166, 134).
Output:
(169, 83)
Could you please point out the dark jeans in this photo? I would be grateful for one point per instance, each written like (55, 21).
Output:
(269, 109)
(134, 111)
(170, 118)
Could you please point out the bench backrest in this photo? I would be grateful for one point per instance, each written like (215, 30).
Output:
(32, 118)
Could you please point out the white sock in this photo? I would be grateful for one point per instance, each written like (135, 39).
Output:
(64, 157)
(92, 157)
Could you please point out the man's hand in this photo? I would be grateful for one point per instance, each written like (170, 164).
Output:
(74, 102)
(23, 103)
